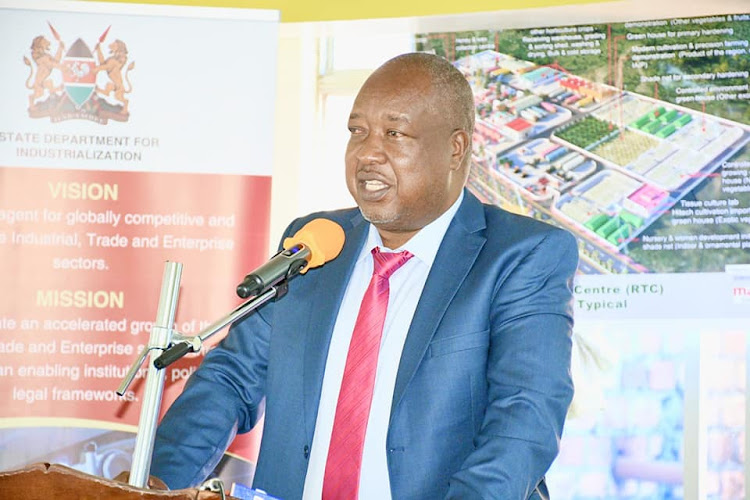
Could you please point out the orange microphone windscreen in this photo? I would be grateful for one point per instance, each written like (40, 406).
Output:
(323, 237)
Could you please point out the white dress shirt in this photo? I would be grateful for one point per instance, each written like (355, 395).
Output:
(406, 286)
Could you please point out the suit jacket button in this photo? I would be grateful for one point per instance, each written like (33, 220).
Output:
(306, 451)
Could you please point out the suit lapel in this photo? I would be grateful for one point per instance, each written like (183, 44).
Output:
(458, 251)
(325, 305)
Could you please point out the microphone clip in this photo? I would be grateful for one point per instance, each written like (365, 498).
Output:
(279, 268)
(282, 288)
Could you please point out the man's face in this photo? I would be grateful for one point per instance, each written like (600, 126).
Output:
(400, 161)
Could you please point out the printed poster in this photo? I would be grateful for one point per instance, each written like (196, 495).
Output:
(631, 135)
(130, 136)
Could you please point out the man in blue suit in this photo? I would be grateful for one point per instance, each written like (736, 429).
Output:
(473, 381)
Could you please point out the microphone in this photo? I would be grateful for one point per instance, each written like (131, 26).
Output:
(317, 242)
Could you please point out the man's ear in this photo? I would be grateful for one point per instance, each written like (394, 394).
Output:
(460, 148)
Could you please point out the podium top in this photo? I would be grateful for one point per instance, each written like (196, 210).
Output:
(43, 481)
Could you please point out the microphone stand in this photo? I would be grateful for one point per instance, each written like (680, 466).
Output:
(161, 337)
(168, 346)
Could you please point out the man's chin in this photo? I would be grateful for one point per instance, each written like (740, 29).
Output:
(379, 220)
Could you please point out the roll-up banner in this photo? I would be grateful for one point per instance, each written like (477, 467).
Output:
(129, 136)
(634, 136)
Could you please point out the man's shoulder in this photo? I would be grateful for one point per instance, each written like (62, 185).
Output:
(504, 224)
(520, 235)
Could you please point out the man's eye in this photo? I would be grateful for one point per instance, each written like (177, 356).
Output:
(355, 130)
(394, 133)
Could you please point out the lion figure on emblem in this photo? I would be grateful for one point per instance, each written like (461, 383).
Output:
(45, 63)
(114, 65)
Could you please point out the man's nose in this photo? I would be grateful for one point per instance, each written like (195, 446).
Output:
(370, 150)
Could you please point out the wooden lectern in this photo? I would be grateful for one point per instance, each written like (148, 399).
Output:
(43, 481)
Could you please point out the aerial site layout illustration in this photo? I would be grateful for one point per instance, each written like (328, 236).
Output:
(633, 136)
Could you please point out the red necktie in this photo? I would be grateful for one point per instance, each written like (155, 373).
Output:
(341, 479)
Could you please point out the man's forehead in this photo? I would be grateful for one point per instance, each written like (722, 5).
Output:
(395, 76)
(385, 114)
(392, 99)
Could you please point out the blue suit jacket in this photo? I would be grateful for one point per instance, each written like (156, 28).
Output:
(483, 384)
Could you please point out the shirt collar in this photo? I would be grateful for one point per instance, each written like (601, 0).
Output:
(423, 245)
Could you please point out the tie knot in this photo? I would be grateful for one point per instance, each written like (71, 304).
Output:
(387, 263)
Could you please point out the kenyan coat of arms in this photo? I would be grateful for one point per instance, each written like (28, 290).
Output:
(79, 83)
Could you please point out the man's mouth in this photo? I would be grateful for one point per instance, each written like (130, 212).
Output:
(375, 185)
(373, 190)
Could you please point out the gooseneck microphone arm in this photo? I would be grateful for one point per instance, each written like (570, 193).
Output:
(317, 242)
(184, 345)
(265, 283)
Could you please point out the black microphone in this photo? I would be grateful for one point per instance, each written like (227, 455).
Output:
(281, 266)
(317, 242)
